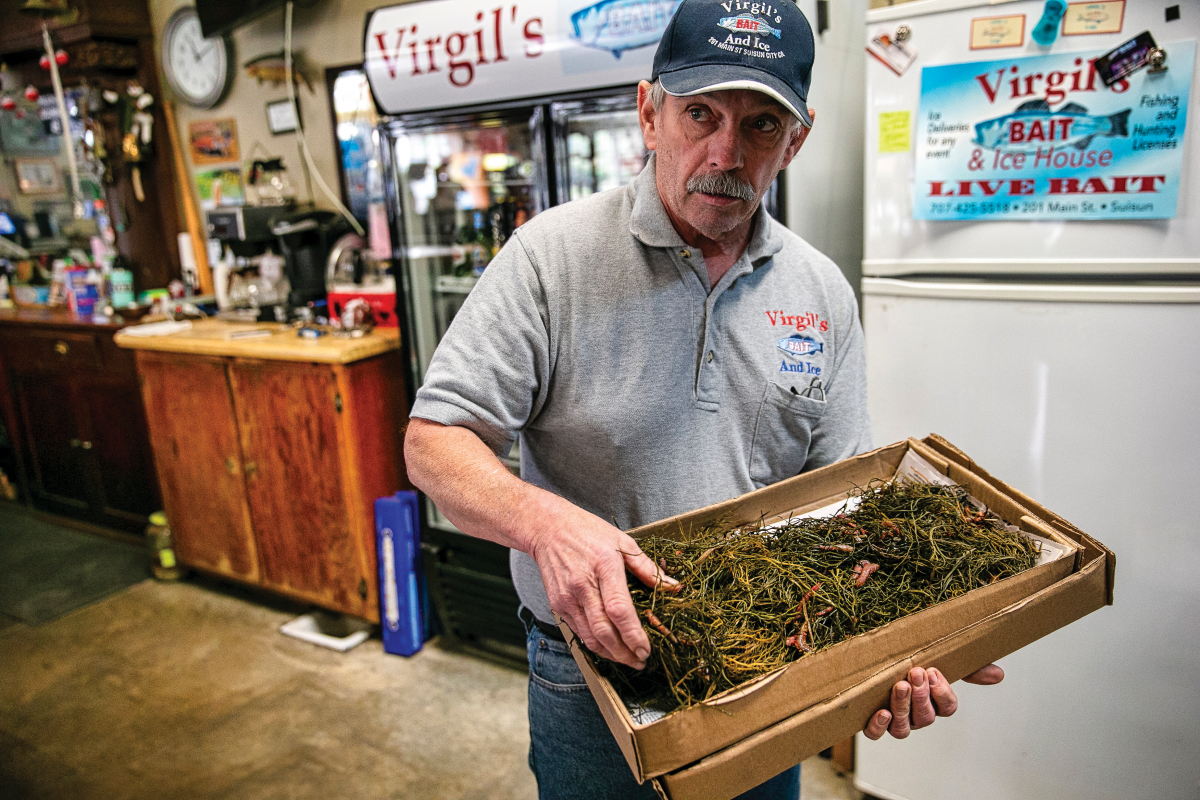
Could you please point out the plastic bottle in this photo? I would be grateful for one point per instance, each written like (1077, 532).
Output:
(221, 272)
(158, 536)
(122, 288)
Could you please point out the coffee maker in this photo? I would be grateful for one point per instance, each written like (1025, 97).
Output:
(305, 239)
(239, 237)
(246, 230)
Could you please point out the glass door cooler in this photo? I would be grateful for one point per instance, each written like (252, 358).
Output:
(457, 186)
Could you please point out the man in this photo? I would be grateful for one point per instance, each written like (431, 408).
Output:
(635, 340)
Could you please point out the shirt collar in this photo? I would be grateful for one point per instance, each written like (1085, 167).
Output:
(649, 223)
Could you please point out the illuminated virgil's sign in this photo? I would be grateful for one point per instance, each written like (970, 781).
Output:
(447, 53)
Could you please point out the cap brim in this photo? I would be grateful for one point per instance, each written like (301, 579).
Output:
(724, 77)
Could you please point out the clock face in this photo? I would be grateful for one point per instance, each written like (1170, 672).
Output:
(197, 68)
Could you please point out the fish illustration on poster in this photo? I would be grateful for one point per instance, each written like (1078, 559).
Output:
(1042, 137)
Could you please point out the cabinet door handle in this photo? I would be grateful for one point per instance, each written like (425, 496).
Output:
(231, 466)
(75, 443)
(251, 469)
(86, 445)
(62, 348)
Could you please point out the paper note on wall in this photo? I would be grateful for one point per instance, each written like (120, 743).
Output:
(895, 131)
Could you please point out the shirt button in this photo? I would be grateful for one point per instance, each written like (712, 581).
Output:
(710, 355)
(685, 253)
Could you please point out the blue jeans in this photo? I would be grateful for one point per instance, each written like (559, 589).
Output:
(571, 751)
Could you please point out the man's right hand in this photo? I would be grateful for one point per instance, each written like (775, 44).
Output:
(583, 560)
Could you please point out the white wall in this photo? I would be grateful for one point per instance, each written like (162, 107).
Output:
(825, 182)
(324, 34)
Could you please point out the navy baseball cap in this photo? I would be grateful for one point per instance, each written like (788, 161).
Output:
(713, 45)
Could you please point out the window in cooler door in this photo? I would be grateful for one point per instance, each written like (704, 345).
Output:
(463, 189)
(599, 145)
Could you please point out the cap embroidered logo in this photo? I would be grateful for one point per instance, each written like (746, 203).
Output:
(756, 46)
(745, 22)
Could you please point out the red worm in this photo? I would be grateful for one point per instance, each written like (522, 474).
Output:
(800, 641)
(844, 548)
(656, 623)
(800, 609)
(973, 517)
(863, 570)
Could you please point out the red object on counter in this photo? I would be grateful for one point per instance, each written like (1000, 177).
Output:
(383, 304)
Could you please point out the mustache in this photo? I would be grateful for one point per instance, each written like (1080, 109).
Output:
(722, 183)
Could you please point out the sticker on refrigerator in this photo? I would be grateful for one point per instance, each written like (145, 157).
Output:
(1085, 18)
(1042, 137)
(895, 54)
(988, 32)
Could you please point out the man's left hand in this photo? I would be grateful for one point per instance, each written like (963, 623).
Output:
(921, 699)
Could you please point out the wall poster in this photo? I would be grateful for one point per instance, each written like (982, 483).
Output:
(213, 141)
(1042, 137)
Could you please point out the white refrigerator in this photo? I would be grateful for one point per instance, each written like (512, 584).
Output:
(1064, 353)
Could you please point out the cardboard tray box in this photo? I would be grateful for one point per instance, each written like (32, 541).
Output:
(742, 737)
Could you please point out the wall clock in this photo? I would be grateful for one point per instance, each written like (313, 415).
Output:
(198, 69)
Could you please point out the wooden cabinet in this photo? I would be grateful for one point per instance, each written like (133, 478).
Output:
(189, 409)
(108, 44)
(53, 448)
(84, 19)
(74, 409)
(270, 468)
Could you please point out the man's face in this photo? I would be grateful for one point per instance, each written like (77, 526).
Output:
(717, 154)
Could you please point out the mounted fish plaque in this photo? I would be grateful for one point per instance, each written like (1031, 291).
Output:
(1044, 138)
(447, 53)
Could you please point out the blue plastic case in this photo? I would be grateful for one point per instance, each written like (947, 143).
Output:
(403, 601)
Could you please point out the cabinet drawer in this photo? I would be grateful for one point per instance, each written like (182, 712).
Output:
(51, 351)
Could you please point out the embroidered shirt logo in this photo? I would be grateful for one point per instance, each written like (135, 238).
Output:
(801, 322)
(797, 345)
(745, 23)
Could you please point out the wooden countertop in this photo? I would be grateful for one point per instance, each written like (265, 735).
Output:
(58, 316)
(211, 338)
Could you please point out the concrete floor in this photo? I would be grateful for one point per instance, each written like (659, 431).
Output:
(188, 690)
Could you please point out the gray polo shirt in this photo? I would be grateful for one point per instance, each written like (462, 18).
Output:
(638, 390)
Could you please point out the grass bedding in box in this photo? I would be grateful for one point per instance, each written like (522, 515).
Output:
(756, 598)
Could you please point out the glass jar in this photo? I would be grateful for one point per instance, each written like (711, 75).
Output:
(158, 537)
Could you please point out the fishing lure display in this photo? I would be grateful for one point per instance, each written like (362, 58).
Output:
(753, 599)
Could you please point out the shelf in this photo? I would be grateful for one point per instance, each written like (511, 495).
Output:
(430, 251)
(453, 284)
